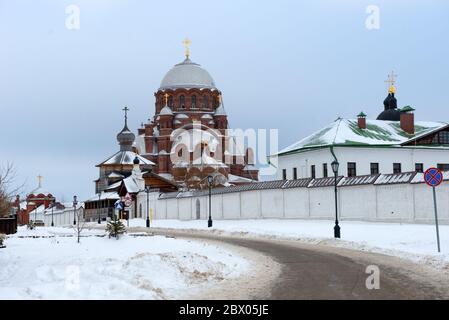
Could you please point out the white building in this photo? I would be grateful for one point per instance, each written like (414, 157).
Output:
(393, 143)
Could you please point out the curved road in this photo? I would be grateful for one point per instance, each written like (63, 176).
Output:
(310, 272)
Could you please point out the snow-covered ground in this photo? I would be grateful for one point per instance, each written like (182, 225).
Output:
(48, 263)
(412, 241)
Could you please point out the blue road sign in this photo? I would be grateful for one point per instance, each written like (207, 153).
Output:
(118, 205)
(433, 177)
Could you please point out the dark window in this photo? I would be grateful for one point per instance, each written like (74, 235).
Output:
(374, 166)
(419, 167)
(295, 174)
(443, 166)
(312, 171)
(324, 170)
(352, 171)
(193, 102)
(441, 138)
(182, 102)
(205, 102)
(170, 102)
(284, 174)
(397, 168)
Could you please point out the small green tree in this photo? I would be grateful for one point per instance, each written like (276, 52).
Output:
(115, 228)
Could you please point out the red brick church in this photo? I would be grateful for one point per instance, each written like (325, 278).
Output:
(187, 137)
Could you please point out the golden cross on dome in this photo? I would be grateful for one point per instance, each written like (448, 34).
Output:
(187, 43)
(391, 81)
(39, 179)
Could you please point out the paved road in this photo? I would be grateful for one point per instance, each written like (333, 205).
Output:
(313, 274)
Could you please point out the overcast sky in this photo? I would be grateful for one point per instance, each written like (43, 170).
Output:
(293, 65)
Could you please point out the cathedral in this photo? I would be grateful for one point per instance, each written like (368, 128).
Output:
(187, 137)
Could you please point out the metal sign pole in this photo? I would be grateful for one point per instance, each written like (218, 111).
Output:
(436, 218)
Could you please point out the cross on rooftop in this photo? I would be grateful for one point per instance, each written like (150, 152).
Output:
(126, 109)
(39, 179)
(391, 80)
(187, 43)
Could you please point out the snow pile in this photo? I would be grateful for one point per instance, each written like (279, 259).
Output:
(143, 267)
(416, 242)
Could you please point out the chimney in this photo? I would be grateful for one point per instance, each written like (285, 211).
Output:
(408, 120)
(361, 117)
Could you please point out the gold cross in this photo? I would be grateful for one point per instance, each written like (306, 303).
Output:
(391, 81)
(187, 43)
(39, 179)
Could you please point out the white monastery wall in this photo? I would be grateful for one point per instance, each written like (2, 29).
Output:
(408, 202)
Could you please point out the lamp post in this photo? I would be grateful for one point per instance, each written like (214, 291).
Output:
(210, 179)
(335, 166)
(52, 206)
(75, 202)
(98, 207)
(147, 190)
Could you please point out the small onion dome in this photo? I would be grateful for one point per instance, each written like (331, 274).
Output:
(126, 139)
(136, 160)
(166, 111)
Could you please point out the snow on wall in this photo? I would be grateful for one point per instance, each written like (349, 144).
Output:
(392, 202)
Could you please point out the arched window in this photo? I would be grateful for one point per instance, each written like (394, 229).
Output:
(182, 102)
(205, 102)
(193, 102)
(170, 102)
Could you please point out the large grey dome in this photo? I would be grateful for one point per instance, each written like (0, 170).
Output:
(187, 75)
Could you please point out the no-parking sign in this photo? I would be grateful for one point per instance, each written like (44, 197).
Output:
(433, 178)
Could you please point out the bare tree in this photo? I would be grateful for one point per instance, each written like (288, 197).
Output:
(80, 223)
(7, 188)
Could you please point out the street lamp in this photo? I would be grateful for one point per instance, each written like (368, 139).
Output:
(75, 202)
(210, 180)
(335, 166)
(147, 190)
(98, 207)
(52, 206)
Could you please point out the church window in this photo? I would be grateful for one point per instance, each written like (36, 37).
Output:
(352, 169)
(193, 102)
(182, 102)
(170, 102)
(397, 168)
(312, 171)
(443, 166)
(325, 174)
(295, 173)
(419, 167)
(205, 102)
(284, 174)
(374, 167)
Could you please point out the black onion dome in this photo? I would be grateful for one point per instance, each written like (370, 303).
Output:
(391, 112)
(136, 160)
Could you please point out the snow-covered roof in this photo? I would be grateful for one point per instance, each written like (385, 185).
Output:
(166, 111)
(115, 175)
(236, 179)
(187, 74)
(126, 157)
(104, 196)
(207, 160)
(377, 133)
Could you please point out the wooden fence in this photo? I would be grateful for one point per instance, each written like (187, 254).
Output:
(8, 225)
